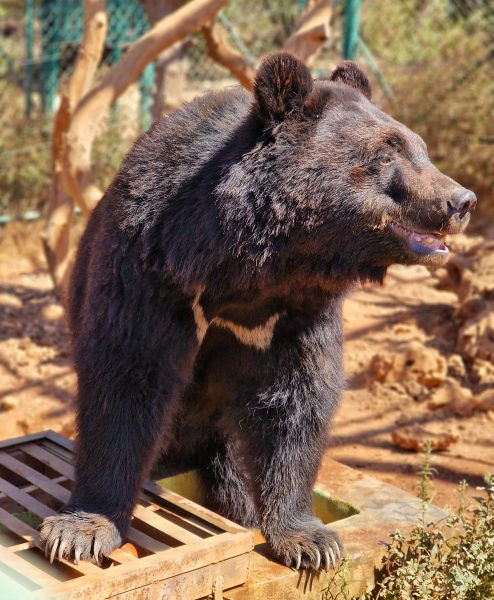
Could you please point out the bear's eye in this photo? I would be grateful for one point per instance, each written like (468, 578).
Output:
(386, 159)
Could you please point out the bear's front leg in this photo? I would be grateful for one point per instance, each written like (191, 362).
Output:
(285, 429)
(131, 379)
(291, 455)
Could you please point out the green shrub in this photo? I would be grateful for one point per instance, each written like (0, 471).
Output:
(449, 560)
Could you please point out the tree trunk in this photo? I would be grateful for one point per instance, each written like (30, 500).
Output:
(57, 243)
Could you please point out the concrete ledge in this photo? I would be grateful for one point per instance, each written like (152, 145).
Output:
(382, 509)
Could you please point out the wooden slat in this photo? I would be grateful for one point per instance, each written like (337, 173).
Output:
(50, 459)
(32, 488)
(162, 524)
(66, 448)
(53, 461)
(173, 499)
(157, 521)
(145, 541)
(35, 477)
(19, 547)
(15, 525)
(67, 455)
(32, 437)
(26, 570)
(55, 490)
(157, 567)
(56, 452)
(29, 534)
(203, 582)
(198, 526)
(25, 500)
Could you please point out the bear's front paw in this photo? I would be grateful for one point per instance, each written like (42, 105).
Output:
(79, 536)
(312, 546)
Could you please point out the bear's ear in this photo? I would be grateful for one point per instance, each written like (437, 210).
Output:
(351, 74)
(282, 85)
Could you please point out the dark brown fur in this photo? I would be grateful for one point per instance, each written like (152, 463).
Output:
(237, 210)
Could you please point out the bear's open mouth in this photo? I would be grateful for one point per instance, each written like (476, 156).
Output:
(422, 243)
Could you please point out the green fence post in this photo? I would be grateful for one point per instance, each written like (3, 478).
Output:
(28, 64)
(50, 17)
(351, 29)
(116, 55)
(146, 82)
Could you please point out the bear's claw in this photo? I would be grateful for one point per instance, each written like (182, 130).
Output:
(313, 547)
(79, 535)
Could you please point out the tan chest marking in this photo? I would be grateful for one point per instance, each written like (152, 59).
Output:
(259, 337)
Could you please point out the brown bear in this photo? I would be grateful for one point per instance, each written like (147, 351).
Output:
(205, 303)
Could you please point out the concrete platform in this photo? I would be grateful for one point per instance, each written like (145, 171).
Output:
(363, 510)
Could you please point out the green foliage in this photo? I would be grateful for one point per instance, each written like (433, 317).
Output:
(109, 150)
(440, 66)
(267, 24)
(25, 164)
(449, 560)
(438, 58)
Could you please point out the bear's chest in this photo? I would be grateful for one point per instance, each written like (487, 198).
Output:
(251, 325)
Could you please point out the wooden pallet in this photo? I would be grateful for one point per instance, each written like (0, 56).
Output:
(185, 551)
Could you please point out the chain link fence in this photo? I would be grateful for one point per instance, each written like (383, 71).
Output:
(432, 63)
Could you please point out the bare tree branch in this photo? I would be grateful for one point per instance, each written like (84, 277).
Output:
(181, 23)
(312, 32)
(56, 239)
(221, 52)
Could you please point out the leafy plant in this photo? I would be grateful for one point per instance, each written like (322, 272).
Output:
(449, 560)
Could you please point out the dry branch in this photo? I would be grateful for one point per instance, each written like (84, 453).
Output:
(312, 32)
(221, 52)
(56, 240)
(181, 23)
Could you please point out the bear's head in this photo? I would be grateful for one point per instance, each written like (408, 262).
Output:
(360, 184)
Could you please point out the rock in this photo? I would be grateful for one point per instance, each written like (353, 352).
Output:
(461, 401)
(462, 243)
(471, 275)
(8, 402)
(10, 300)
(485, 400)
(52, 312)
(414, 363)
(416, 438)
(483, 371)
(456, 366)
(415, 390)
(476, 335)
(450, 395)
(424, 364)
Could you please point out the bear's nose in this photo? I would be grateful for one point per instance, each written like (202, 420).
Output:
(462, 201)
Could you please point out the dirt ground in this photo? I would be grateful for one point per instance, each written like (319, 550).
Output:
(419, 354)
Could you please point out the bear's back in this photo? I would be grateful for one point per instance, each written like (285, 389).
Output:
(179, 160)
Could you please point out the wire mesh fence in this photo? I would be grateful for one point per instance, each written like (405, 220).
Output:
(432, 61)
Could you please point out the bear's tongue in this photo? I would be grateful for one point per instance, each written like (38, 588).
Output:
(422, 243)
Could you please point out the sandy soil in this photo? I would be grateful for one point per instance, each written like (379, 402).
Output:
(418, 354)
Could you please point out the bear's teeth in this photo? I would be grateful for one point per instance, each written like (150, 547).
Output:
(434, 242)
